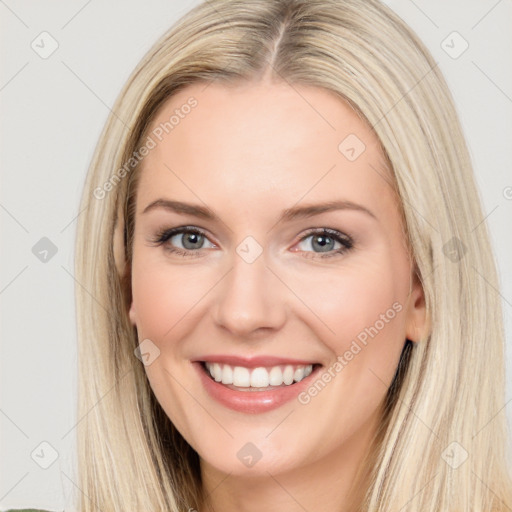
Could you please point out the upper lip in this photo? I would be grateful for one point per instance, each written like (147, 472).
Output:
(254, 361)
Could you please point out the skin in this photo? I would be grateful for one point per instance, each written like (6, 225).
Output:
(248, 152)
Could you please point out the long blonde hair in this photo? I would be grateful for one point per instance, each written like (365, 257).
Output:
(444, 444)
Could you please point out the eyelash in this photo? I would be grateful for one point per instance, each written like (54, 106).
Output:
(165, 234)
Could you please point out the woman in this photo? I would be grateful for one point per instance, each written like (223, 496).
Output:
(281, 303)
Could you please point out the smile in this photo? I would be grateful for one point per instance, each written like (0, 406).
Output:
(260, 378)
(254, 386)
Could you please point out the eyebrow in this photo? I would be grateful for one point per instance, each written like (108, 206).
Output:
(293, 213)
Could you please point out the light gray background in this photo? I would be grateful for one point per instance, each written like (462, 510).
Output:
(53, 110)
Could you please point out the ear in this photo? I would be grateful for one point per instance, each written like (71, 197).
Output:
(132, 314)
(416, 320)
(122, 266)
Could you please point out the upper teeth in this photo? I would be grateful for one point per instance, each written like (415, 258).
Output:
(258, 377)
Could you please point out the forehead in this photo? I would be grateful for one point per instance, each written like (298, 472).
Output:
(263, 141)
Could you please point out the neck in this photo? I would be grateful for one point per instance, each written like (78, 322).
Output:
(334, 483)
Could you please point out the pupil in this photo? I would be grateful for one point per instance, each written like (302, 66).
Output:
(320, 240)
(193, 238)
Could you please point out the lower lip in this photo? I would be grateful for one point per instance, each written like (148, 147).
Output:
(252, 402)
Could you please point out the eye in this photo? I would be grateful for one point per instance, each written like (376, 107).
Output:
(183, 241)
(187, 241)
(326, 243)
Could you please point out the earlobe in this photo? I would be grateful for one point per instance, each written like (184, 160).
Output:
(417, 321)
(132, 314)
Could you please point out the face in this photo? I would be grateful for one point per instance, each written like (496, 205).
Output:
(268, 248)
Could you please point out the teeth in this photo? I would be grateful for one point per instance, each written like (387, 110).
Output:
(288, 375)
(276, 376)
(217, 372)
(227, 375)
(260, 377)
(241, 377)
(298, 375)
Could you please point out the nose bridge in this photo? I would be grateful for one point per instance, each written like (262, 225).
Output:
(249, 297)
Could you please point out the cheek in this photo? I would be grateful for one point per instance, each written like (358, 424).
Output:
(362, 310)
(163, 296)
(164, 300)
(362, 313)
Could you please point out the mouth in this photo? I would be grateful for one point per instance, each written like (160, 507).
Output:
(257, 379)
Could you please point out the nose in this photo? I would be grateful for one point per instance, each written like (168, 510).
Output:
(250, 300)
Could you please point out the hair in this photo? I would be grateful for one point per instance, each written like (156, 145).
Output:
(449, 387)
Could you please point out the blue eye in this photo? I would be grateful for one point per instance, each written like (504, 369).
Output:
(324, 242)
(191, 240)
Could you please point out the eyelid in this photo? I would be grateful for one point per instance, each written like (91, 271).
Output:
(165, 234)
(168, 233)
(346, 241)
(328, 231)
